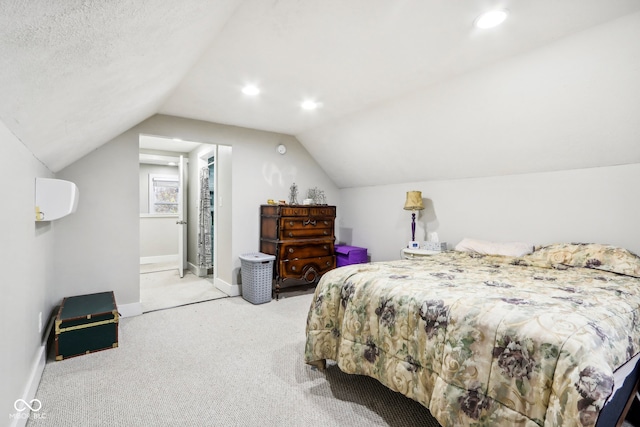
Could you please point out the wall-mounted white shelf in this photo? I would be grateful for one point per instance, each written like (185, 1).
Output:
(55, 198)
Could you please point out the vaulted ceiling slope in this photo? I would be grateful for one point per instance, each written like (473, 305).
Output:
(75, 74)
(409, 89)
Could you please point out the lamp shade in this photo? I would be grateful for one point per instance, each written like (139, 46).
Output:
(414, 201)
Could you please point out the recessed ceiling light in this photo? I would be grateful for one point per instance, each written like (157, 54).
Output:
(250, 90)
(309, 105)
(491, 19)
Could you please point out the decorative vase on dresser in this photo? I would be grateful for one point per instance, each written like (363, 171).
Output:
(301, 237)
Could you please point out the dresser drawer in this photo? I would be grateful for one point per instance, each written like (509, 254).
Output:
(328, 211)
(305, 227)
(278, 211)
(293, 223)
(305, 250)
(308, 269)
(314, 211)
(308, 233)
(294, 211)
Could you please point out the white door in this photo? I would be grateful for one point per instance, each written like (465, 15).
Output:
(182, 216)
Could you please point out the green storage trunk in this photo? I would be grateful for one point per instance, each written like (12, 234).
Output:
(86, 323)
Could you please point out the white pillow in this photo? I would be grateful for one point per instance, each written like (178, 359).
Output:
(515, 249)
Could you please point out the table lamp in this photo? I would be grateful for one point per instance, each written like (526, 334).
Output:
(413, 203)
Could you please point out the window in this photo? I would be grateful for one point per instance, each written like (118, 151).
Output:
(163, 194)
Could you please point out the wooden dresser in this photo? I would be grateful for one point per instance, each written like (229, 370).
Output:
(301, 238)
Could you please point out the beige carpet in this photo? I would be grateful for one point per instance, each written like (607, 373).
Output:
(165, 289)
(218, 363)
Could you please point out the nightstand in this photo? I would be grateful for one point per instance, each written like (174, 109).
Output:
(407, 253)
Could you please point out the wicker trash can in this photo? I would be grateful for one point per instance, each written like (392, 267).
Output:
(257, 277)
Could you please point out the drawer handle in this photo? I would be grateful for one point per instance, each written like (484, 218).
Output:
(293, 268)
(326, 223)
(326, 232)
(325, 247)
(311, 275)
(328, 263)
(291, 223)
(309, 221)
(290, 250)
(290, 234)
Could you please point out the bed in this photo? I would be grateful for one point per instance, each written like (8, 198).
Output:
(488, 340)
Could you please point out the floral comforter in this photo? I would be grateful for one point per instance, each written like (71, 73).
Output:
(483, 340)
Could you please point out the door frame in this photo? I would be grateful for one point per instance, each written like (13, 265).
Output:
(183, 181)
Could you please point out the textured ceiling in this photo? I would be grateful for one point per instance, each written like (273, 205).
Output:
(75, 74)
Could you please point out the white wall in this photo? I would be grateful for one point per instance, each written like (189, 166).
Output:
(228, 199)
(158, 237)
(98, 248)
(598, 205)
(26, 262)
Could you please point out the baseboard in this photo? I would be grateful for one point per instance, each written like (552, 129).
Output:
(20, 418)
(158, 258)
(227, 288)
(130, 310)
(198, 271)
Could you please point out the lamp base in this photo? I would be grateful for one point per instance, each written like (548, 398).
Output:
(413, 245)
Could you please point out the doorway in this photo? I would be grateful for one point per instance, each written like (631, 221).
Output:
(211, 166)
(169, 208)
